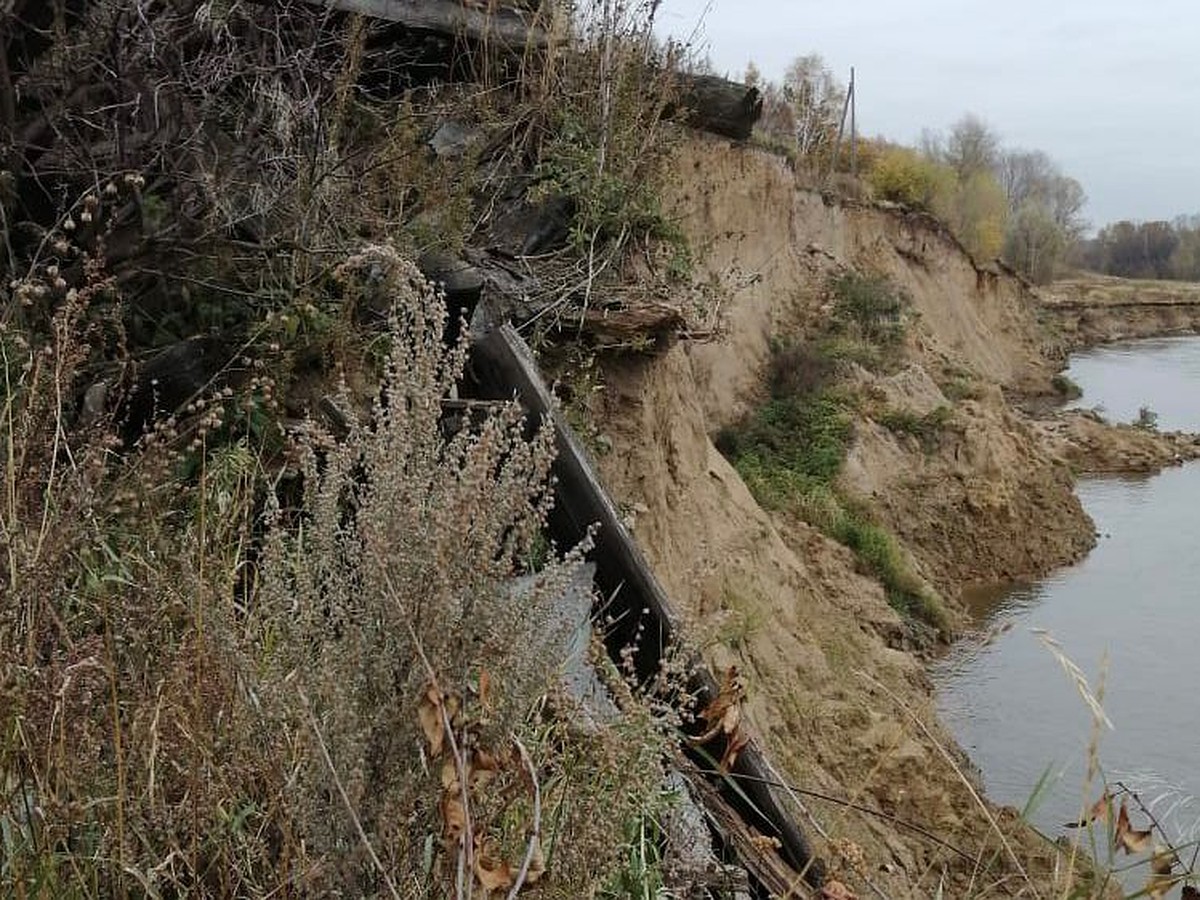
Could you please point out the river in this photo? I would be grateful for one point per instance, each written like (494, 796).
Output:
(1128, 616)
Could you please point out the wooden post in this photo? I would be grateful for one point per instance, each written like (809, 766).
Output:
(853, 127)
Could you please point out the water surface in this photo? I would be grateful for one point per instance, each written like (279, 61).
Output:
(1128, 616)
(1160, 373)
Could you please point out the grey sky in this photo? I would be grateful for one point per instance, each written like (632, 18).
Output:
(1109, 88)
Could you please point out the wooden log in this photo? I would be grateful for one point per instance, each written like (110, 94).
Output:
(711, 103)
(507, 24)
(504, 366)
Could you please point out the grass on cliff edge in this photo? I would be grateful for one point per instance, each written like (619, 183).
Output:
(791, 449)
(789, 453)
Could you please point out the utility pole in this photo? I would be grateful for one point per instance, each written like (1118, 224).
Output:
(848, 106)
(853, 128)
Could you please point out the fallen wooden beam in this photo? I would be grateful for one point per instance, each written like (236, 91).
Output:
(507, 24)
(644, 616)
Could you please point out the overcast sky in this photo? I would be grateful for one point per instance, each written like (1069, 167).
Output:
(1109, 88)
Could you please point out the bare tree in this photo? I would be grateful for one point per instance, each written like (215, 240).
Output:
(971, 147)
(816, 99)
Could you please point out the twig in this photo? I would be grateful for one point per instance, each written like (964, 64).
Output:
(793, 791)
(362, 834)
(535, 837)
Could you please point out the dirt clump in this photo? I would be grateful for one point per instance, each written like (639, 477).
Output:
(1093, 446)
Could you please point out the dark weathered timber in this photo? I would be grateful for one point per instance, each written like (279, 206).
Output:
(779, 879)
(506, 24)
(711, 103)
(643, 615)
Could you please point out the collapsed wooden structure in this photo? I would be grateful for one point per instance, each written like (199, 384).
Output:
(741, 804)
(41, 158)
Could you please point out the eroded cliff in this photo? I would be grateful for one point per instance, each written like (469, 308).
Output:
(842, 705)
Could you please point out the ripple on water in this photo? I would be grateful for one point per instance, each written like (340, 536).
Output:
(1128, 615)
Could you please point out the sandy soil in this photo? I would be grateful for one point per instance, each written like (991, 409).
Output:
(843, 708)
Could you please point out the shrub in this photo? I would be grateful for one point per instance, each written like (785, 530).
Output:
(603, 143)
(881, 557)
(872, 305)
(904, 176)
(1065, 387)
(193, 710)
(927, 428)
(789, 453)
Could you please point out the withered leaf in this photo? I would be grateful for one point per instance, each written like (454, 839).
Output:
(1128, 838)
(429, 711)
(1163, 861)
(723, 712)
(537, 863)
(1099, 812)
(454, 816)
(450, 776)
(835, 890)
(1159, 886)
(1161, 880)
(483, 768)
(733, 747)
(494, 874)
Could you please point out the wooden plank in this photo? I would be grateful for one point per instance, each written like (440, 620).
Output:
(754, 854)
(456, 18)
(645, 617)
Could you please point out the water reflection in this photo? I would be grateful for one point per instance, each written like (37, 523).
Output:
(1128, 615)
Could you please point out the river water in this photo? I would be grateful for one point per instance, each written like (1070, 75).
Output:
(1128, 616)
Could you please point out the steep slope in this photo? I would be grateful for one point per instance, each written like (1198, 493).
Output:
(838, 700)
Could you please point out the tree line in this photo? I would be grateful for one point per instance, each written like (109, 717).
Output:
(1159, 249)
(999, 201)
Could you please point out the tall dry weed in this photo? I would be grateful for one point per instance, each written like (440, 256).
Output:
(199, 698)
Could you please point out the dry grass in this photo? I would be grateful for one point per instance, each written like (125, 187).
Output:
(200, 698)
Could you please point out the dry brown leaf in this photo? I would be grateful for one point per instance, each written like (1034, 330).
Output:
(1163, 861)
(1099, 812)
(450, 776)
(1159, 886)
(454, 816)
(737, 741)
(429, 711)
(835, 890)
(493, 874)
(483, 768)
(1126, 837)
(1161, 880)
(723, 712)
